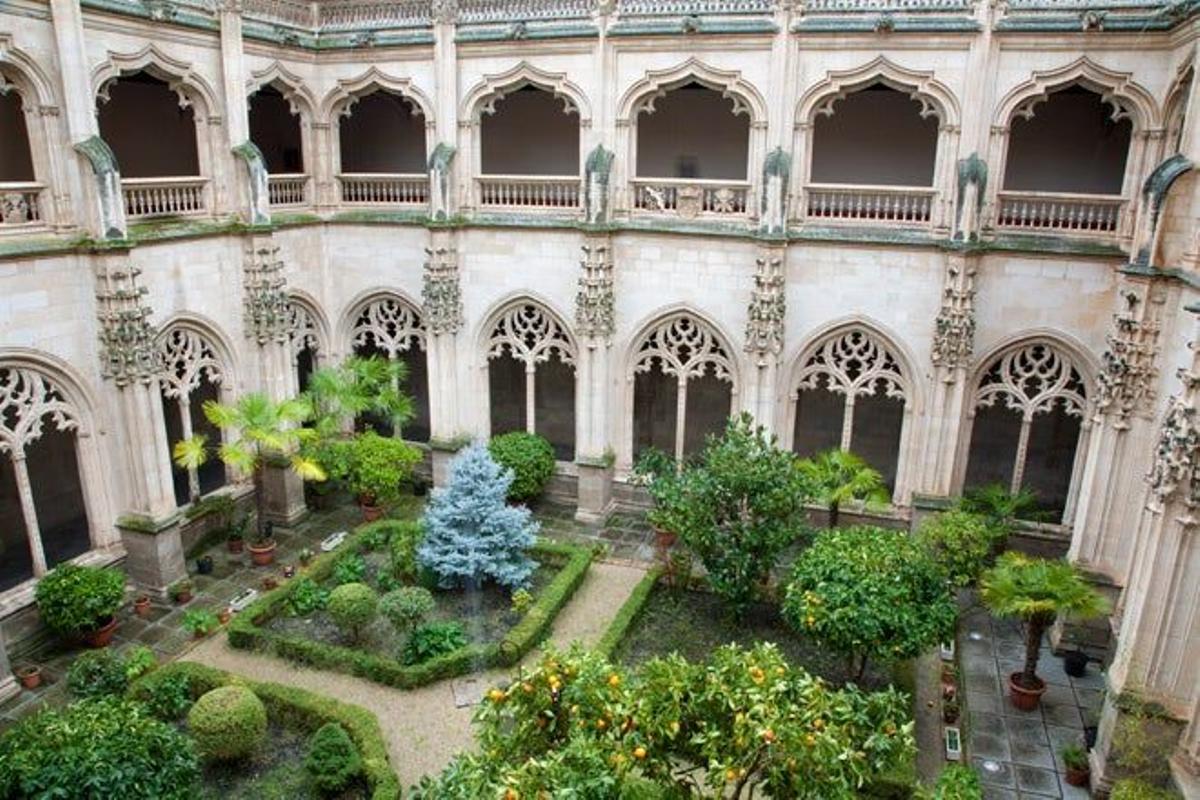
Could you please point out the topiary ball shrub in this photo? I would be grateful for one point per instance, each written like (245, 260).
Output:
(406, 607)
(74, 600)
(97, 749)
(433, 640)
(353, 607)
(961, 542)
(530, 457)
(228, 723)
(333, 760)
(97, 673)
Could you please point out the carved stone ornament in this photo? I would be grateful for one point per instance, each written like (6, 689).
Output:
(268, 316)
(1177, 454)
(531, 335)
(689, 201)
(954, 328)
(14, 208)
(27, 399)
(444, 11)
(1033, 379)
(684, 347)
(594, 302)
(187, 358)
(1125, 383)
(388, 325)
(441, 293)
(128, 351)
(302, 329)
(853, 362)
(764, 328)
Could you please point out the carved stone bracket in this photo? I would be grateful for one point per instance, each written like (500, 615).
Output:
(594, 303)
(441, 293)
(954, 328)
(268, 316)
(128, 351)
(1177, 454)
(764, 328)
(1128, 370)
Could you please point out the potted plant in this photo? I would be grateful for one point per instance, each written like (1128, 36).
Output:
(262, 549)
(1075, 759)
(839, 477)
(950, 711)
(659, 474)
(30, 676)
(270, 582)
(236, 539)
(306, 555)
(181, 591)
(200, 622)
(81, 602)
(141, 605)
(1036, 591)
(224, 615)
(1075, 663)
(376, 469)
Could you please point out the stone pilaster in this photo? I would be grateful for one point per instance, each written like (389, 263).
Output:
(952, 351)
(130, 364)
(8, 682)
(443, 313)
(764, 333)
(1159, 638)
(595, 322)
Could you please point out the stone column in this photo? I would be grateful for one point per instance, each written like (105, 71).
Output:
(250, 195)
(130, 363)
(595, 323)
(952, 351)
(1158, 644)
(443, 309)
(8, 681)
(764, 334)
(267, 323)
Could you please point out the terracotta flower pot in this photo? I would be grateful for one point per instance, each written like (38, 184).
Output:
(1078, 776)
(224, 615)
(101, 636)
(262, 554)
(235, 545)
(370, 512)
(664, 539)
(1022, 698)
(141, 606)
(30, 677)
(184, 597)
(270, 582)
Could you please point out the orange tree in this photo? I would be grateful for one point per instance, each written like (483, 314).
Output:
(742, 723)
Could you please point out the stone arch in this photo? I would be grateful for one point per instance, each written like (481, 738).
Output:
(482, 98)
(191, 87)
(21, 73)
(640, 97)
(342, 97)
(1127, 97)
(24, 71)
(1175, 105)
(40, 395)
(683, 344)
(856, 363)
(308, 335)
(934, 96)
(301, 100)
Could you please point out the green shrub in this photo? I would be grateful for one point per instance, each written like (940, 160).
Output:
(97, 673)
(961, 542)
(97, 749)
(171, 697)
(228, 723)
(530, 457)
(353, 607)
(405, 540)
(1140, 790)
(958, 782)
(332, 760)
(72, 599)
(200, 622)
(522, 601)
(378, 466)
(405, 608)
(307, 596)
(138, 661)
(435, 639)
(350, 568)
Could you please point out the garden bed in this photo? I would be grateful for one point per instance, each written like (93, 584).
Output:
(497, 637)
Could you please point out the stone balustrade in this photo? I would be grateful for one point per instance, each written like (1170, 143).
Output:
(288, 190)
(383, 189)
(646, 8)
(529, 192)
(903, 205)
(476, 11)
(20, 205)
(1047, 212)
(164, 197)
(691, 198)
(288, 12)
(352, 14)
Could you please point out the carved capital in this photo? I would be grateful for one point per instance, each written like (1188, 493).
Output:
(441, 293)
(954, 327)
(764, 328)
(1175, 473)
(267, 306)
(128, 352)
(595, 301)
(1128, 368)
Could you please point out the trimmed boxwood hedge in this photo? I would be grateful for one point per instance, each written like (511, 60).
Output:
(627, 613)
(246, 631)
(295, 708)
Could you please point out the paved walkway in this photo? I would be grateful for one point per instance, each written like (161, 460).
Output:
(425, 727)
(1017, 752)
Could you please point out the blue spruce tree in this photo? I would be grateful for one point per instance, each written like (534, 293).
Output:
(471, 533)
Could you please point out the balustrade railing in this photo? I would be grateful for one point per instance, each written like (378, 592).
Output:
(1059, 212)
(288, 190)
(352, 14)
(868, 204)
(159, 197)
(383, 189)
(691, 198)
(20, 204)
(537, 192)
(290, 12)
(841, 6)
(643, 8)
(475, 11)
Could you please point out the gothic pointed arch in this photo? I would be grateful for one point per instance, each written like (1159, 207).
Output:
(307, 326)
(191, 87)
(340, 100)
(24, 84)
(22, 70)
(1127, 98)
(493, 87)
(528, 329)
(300, 98)
(935, 97)
(642, 95)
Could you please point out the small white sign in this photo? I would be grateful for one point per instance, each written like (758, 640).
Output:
(333, 540)
(953, 744)
(244, 599)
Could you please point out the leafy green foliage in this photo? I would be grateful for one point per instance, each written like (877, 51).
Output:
(870, 593)
(522, 601)
(333, 760)
(376, 467)
(744, 723)
(306, 597)
(171, 697)
(97, 749)
(353, 607)
(73, 599)
(228, 723)
(406, 607)
(200, 622)
(432, 640)
(356, 387)
(1000, 507)
(838, 477)
(961, 542)
(1140, 790)
(1036, 591)
(738, 507)
(530, 457)
(350, 568)
(405, 540)
(138, 661)
(97, 673)
(957, 782)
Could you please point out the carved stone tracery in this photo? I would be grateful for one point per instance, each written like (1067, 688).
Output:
(1033, 379)
(531, 335)
(594, 302)
(27, 399)
(302, 328)
(764, 328)
(441, 293)
(389, 325)
(854, 363)
(187, 358)
(684, 347)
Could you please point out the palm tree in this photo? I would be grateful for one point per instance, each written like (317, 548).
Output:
(1000, 507)
(261, 431)
(838, 476)
(359, 386)
(1036, 591)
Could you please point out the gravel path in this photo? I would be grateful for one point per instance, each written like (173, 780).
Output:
(423, 727)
